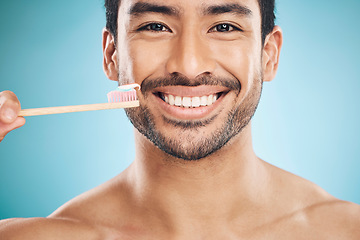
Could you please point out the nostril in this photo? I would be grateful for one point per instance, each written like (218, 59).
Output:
(190, 65)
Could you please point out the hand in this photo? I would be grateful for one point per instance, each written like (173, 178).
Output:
(9, 110)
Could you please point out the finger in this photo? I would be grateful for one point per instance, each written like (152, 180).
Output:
(6, 128)
(9, 107)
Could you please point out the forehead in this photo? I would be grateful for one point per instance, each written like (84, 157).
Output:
(201, 7)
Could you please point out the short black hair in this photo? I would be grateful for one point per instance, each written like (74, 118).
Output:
(267, 11)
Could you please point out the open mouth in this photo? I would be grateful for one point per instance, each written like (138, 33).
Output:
(190, 102)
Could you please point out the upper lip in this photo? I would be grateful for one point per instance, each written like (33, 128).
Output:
(184, 91)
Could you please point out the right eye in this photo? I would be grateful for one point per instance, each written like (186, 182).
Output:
(154, 27)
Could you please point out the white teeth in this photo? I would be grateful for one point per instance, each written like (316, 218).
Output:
(210, 100)
(171, 100)
(186, 102)
(178, 101)
(195, 102)
(203, 101)
(189, 102)
(215, 98)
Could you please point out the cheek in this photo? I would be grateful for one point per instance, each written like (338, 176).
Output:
(148, 59)
(240, 60)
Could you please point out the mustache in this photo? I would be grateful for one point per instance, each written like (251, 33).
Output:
(179, 80)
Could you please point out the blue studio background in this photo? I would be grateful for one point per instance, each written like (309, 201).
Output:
(50, 55)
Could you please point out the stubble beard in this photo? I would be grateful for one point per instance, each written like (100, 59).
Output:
(187, 146)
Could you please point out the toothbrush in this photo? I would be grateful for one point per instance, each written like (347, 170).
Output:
(123, 97)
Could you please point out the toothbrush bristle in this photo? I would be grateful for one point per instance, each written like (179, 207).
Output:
(119, 96)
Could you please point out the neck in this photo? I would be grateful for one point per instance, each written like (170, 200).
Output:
(226, 184)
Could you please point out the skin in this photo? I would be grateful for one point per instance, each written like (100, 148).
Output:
(230, 194)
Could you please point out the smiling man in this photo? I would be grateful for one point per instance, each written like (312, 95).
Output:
(201, 65)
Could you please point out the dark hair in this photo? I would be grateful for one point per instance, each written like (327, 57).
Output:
(267, 11)
(267, 8)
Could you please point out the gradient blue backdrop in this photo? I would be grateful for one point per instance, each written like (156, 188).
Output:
(50, 55)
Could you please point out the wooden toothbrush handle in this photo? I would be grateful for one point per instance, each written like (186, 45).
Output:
(76, 108)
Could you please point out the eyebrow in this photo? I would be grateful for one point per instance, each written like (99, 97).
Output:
(143, 7)
(234, 8)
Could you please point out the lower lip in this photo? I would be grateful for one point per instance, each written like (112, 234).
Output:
(188, 113)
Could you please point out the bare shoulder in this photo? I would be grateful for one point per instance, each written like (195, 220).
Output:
(100, 206)
(46, 228)
(86, 217)
(313, 211)
(335, 217)
(104, 208)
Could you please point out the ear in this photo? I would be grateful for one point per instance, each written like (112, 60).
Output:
(271, 53)
(110, 63)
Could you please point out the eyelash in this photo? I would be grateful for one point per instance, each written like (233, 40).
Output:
(148, 26)
(227, 25)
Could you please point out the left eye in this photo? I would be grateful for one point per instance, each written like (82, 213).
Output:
(155, 27)
(224, 27)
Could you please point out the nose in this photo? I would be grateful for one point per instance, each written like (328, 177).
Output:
(190, 56)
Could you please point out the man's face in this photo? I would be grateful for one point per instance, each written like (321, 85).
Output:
(199, 65)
